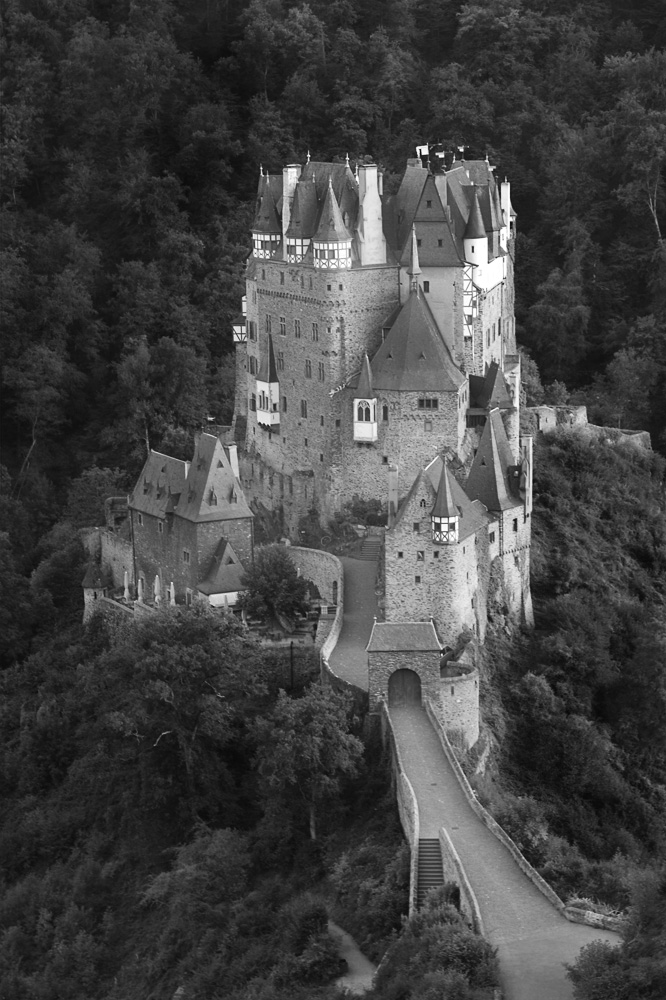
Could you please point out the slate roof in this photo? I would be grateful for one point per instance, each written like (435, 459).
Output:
(211, 475)
(160, 485)
(304, 210)
(403, 637)
(475, 228)
(331, 225)
(364, 387)
(189, 489)
(414, 356)
(490, 390)
(224, 573)
(266, 220)
(489, 479)
(267, 367)
(444, 505)
(472, 516)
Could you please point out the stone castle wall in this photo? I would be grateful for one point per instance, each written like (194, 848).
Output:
(458, 706)
(382, 664)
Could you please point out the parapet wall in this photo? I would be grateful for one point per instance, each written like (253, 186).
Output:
(408, 808)
(453, 870)
(323, 568)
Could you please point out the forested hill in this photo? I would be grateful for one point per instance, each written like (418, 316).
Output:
(132, 139)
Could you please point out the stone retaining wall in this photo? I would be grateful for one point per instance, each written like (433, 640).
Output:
(486, 818)
(408, 807)
(453, 870)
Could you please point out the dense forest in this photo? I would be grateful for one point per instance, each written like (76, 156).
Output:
(132, 137)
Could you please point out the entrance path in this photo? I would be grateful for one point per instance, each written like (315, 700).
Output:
(532, 939)
(349, 659)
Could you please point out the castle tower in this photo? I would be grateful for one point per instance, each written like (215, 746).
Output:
(266, 228)
(432, 556)
(495, 480)
(332, 241)
(475, 240)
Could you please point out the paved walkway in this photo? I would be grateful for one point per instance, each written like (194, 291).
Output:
(349, 659)
(532, 939)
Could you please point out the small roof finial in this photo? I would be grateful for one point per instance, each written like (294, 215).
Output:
(347, 159)
(356, 170)
(261, 170)
(308, 160)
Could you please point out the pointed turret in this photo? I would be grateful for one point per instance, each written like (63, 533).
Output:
(266, 228)
(332, 241)
(475, 241)
(301, 222)
(445, 514)
(268, 390)
(414, 268)
(364, 388)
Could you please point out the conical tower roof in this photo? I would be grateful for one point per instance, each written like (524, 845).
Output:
(364, 387)
(414, 267)
(489, 478)
(475, 229)
(444, 505)
(331, 225)
(303, 212)
(414, 356)
(266, 220)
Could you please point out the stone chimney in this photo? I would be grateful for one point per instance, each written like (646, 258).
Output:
(372, 245)
(290, 176)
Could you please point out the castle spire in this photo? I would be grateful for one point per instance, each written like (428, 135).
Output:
(414, 268)
(364, 388)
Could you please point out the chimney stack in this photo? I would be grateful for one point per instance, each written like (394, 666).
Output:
(372, 245)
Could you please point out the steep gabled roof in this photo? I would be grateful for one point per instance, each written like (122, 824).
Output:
(211, 486)
(490, 390)
(161, 482)
(266, 220)
(331, 226)
(489, 478)
(414, 356)
(224, 572)
(406, 637)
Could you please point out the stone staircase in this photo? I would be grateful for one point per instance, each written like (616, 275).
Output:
(370, 548)
(430, 873)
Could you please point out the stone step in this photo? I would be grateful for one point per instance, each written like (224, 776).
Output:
(429, 869)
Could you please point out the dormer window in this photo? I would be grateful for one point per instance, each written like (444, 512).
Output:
(212, 499)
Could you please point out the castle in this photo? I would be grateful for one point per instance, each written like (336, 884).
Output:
(376, 358)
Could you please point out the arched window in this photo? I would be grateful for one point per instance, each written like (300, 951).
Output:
(385, 414)
(363, 412)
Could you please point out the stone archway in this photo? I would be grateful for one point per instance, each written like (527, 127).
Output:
(404, 688)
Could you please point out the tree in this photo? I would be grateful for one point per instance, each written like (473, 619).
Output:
(305, 749)
(273, 586)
